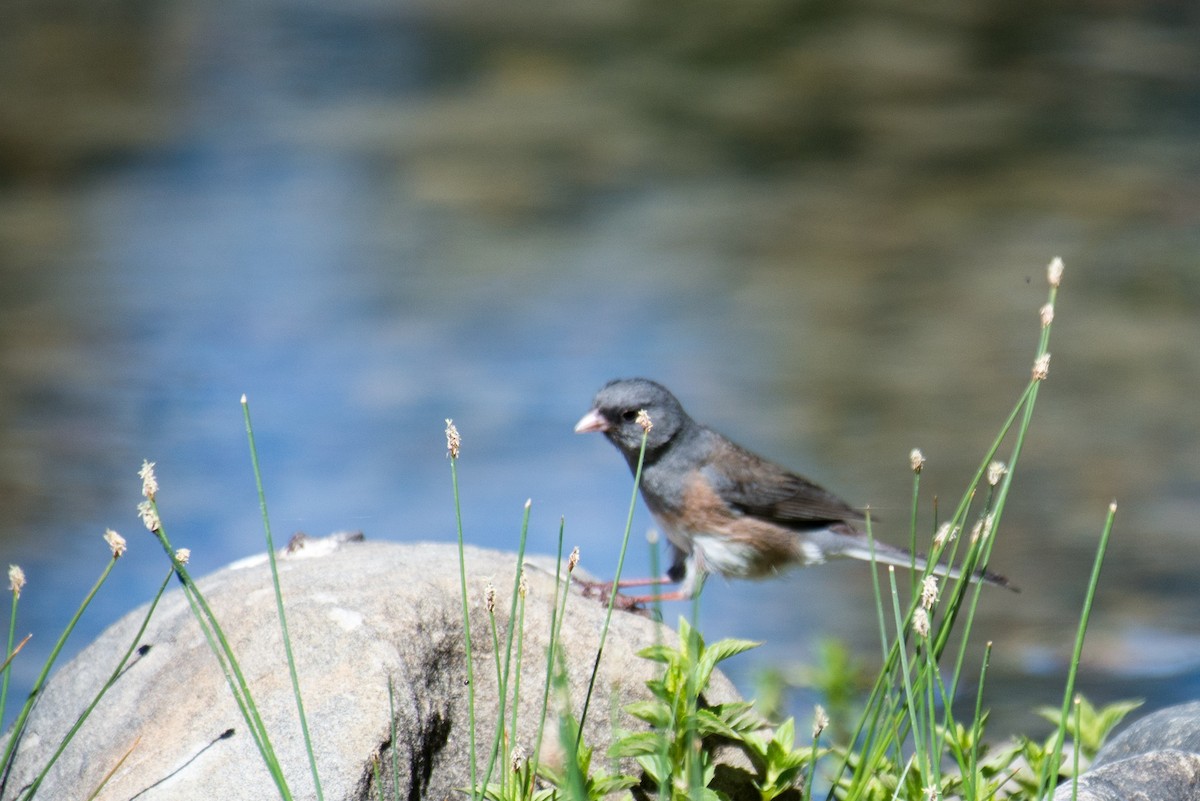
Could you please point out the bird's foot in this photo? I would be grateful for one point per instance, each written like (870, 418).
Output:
(602, 591)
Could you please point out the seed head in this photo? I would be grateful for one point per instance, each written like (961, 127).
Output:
(1041, 367)
(820, 721)
(489, 597)
(16, 580)
(929, 592)
(183, 555)
(116, 543)
(982, 529)
(945, 533)
(149, 481)
(453, 440)
(517, 758)
(523, 584)
(643, 420)
(995, 472)
(920, 622)
(149, 516)
(1047, 314)
(916, 459)
(1054, 272)
(573, 559)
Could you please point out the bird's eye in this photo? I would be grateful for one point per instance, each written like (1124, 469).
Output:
(629, 415)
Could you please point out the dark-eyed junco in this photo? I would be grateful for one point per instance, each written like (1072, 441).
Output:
(724, 509)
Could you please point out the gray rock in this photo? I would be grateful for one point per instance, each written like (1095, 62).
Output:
(1157, 758)
(1157, 776)
(359, 616)
(1175, 728)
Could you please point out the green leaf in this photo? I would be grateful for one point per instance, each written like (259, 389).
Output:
(655, 713)
(659, 653)
(607, 785)
(707, 723)
(637, 744)
(741, 716)
(724, 649)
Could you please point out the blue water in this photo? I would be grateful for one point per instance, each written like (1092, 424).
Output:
(369, 221)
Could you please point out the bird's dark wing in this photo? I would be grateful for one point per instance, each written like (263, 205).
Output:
(754, 486)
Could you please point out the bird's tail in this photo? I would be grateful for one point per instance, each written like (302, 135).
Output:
(860, 548)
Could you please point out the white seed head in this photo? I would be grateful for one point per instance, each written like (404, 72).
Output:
(1054, 271)
(929, 592)
(643, 420)
(916, 459)
(995, 472)
(573, 559)
(183, 555)
(982, 529)
(820, 721)
(517, 758)
(1047, 314)
(1041, 367)
(16, 579)
(116, 543)
(149, 515)
(489, 597)
(149, 480)
(946, 533)
(453, 440)
(920, 622)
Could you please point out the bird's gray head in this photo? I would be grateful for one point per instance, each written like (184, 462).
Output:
(615, 413)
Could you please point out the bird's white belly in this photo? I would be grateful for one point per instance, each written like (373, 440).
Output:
(717, 554)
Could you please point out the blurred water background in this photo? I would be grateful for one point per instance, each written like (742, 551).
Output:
(824, 225)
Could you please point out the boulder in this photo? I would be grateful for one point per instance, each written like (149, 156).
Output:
(360, 615)
(1157, 758)
(1176, 728)
(1165, 775)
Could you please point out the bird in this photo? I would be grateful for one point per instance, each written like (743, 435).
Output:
(725, 509)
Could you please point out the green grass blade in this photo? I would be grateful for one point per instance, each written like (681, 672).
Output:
(287, 640)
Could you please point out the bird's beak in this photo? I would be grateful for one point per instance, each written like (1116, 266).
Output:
(592, 421)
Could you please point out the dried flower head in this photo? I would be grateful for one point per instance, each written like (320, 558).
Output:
(982, 529)
(573, 559)
(1047, 314)
(1054, 271)
(995, 472)
(183, 555)
(149, 515)
(920, 622)
(916, 459)
(16, 579)
(929, 592)
(517, 758)
(1041, 367)
(643, 420)
(149, 480)
(116, 543)
(453, 440)
(945, 533)
(489, 597)
(820, 721)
